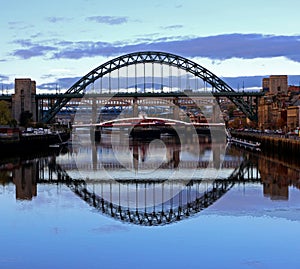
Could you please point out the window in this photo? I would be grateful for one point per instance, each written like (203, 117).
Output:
(22, 101)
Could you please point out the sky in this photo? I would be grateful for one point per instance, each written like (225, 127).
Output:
(58, 42)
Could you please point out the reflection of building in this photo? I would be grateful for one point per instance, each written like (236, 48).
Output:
(24, 98)
(274, 180)
(25, 179)
(276, 190)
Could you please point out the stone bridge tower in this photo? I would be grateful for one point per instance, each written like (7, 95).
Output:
(24, 98)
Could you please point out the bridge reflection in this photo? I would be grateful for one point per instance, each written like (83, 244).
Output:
(153, 201)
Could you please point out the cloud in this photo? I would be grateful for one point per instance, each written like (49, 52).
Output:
(24, 42)
(61, 83)
(2, 78)
(179, 6)
(219, 47)
(110, 229)
(57, 19)
(110, 20)
(19, 25)
(5, 86)
(33, 51)
(87, 49)
(172, 27)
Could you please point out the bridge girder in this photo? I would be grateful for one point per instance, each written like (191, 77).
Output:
(173, 60)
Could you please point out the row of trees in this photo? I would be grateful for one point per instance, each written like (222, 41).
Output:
(6, 118)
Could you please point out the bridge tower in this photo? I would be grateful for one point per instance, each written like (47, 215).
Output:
(24, 98)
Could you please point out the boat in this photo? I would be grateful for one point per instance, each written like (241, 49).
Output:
(61, 142)
(25, 142)
(244, 143)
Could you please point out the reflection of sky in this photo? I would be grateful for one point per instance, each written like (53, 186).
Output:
(57, 229)
(250, 201)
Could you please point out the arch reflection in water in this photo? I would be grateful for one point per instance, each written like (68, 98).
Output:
(143, 202)
(191, 199)
(158, 187)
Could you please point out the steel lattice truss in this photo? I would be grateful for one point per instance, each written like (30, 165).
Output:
(189, 66)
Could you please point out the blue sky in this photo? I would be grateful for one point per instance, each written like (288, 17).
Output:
(57, 41)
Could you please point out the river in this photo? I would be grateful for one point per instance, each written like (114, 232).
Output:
(149, 204)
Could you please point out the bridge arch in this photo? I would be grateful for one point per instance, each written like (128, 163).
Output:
(217, 84)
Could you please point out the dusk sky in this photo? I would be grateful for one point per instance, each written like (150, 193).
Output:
(57, 41)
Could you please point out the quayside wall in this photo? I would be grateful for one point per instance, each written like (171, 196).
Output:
(30, 143)
(272, 144)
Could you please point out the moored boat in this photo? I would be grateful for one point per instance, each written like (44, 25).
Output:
(244, 143)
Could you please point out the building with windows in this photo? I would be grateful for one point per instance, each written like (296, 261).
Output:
(293, 115)
(276, 84)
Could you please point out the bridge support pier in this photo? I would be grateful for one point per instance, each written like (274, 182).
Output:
(176, 109)
(135, 108)
(216, 110)
(94, 156)
(94, 110)
(97, 134)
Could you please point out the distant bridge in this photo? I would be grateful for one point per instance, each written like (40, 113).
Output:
(146, 121)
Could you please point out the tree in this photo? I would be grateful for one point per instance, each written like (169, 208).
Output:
(25, 118)
(5, 114)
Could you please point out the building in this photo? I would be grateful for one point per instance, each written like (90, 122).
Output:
(293, 117)
(276, 84)
(265, 112)
(294, 89)
(24, 98)
(272, 107)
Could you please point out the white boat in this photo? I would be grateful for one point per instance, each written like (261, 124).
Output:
(244, 143)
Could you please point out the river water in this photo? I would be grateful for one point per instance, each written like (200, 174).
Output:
(149, 204)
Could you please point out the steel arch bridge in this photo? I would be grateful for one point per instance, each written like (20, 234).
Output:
(163, 58)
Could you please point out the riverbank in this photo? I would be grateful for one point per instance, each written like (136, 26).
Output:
(31, 142)
(271, 144)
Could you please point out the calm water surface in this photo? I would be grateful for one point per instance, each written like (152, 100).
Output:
(151, 204)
